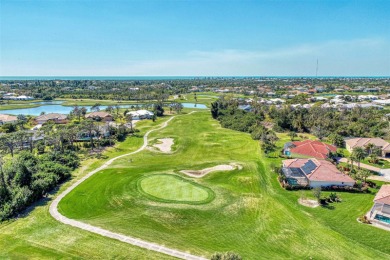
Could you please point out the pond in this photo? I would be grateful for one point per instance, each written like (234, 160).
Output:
(193, 105)
(56, 108)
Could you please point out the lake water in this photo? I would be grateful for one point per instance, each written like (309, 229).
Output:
(57, 108)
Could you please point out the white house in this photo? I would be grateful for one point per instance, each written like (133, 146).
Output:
(141, 114)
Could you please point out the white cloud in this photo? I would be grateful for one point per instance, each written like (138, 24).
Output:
(359, 57)
(355, 57)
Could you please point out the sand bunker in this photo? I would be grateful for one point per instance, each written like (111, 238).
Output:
(165, 145)
(222, 167)
(308, 203)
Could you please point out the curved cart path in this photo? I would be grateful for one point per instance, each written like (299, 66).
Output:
(106, 233)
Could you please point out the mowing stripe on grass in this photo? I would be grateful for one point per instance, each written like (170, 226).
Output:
(170, 188)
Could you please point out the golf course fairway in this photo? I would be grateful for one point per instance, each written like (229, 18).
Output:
(249, 213)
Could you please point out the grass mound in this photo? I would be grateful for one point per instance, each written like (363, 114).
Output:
(174, 189)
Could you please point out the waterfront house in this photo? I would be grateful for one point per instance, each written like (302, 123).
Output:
(100, 116)
(4, 119)
(54, 117)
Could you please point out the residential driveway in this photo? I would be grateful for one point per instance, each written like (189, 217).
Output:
(363, 165)
(384, 173)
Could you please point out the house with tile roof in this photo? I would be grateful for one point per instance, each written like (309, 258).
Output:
(380, 212)
(54, 117)
(308, 149)
(314, 173)
(100, 116)
(4, 119)
(352, 143)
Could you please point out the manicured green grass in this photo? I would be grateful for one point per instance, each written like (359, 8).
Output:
(251, 214)
(36, 235)
(381, 163)
(174, 189)
(17, 106)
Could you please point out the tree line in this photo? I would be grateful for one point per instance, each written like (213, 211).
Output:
(334, 124)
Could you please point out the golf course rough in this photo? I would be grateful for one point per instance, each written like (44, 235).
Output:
(171, 188)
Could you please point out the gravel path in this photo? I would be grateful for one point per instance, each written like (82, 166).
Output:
(106, 233)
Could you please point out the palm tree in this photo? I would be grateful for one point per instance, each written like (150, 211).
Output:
(129, 119)
(352, 159)
(370, 147)
(363, 174)
(373, 158)
(22, 119)
(359, 154)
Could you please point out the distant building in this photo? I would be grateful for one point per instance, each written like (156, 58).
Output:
(54, 117)
(6, 119)
(100, 116)
(246, 108)
(384, 102)
(371, 90)
(141, 114)
(23, 97)
(11, 96)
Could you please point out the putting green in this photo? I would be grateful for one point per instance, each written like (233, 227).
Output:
(174, 189)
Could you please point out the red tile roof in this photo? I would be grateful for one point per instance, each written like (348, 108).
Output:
(383, 195)
(312, 148)
(325, 170)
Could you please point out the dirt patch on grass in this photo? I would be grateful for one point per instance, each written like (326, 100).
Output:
(308, 203)
(164, 145)
(222, 167)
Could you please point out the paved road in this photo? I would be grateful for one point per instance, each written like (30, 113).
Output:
(97, 230)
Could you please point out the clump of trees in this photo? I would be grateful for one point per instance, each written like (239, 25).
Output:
(321, 122)
(226, 111)
(26, 177)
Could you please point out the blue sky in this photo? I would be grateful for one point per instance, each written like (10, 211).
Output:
(194, 38)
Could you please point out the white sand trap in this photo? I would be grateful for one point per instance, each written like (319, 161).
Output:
(165, 145)
(308, 203)
(222, 167)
